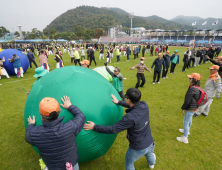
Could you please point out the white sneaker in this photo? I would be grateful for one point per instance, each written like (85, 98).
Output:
(183, 139)
(152, 166)
(164, 77)
(182, 131)
(158, 82)
(153, 83)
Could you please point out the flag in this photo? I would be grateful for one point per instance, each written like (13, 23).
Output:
(194, 23)
(204, 23)
(215, 23)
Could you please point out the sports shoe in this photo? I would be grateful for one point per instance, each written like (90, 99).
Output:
(153, 82)
(158, 82)
(183, 139)
(195, 115)
(152, 166)
(204, 114)
(164, 77)
(182, 131)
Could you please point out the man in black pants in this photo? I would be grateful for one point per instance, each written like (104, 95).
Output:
(185, 61)
(140, 72)
(92, 56)
(158, 63)
(167, 64)
(31, 58)
(151, 50)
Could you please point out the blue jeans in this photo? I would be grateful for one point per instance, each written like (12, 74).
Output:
(187, 122)
(133, 155)
(118, 58)
(76, 167)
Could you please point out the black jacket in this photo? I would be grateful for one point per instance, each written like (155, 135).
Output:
(158, 64)
(56, 140)
(185, 58)
(91, 54)
(137, 123)
(199, 54)
(191, 99)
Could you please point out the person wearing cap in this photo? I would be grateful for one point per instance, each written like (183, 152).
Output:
(140, 72)
(55, 140)
(217, 61)
(137, 123)
(127, 52)
(175, 59)
(31, 58)
(212, 87)
(76, 56)
(135, 52)
(85, 63)
(167, 64)
(159, 63)
(43, 60)
(101, 53)
(151, 50)
(190, 105)
(192, 57)
(117, 79)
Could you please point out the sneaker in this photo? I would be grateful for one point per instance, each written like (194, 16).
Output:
(195, 115)
(152, 166)
(158, 82)
(183, 139)
(164, 77)
(153, 82)
(182, 131)
(204, 114)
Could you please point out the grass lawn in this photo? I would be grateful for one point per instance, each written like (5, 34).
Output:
(164, 101)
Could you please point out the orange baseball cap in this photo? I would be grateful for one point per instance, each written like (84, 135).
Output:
(214, 67)
(48, 105)
(142, 58)
(85, 62)
(196, 76)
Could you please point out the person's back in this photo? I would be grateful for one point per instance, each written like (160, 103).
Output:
(56, 141)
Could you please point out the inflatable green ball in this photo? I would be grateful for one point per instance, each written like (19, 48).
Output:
(91, 93)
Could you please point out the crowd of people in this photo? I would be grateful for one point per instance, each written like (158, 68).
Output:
(137, 120)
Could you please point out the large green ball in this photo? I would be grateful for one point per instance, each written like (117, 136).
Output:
(90, 92)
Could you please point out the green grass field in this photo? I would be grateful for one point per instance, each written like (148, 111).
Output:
(164, 101)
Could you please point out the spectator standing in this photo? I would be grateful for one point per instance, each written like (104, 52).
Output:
(175, 58)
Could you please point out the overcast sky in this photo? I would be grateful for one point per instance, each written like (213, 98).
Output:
(40, 13)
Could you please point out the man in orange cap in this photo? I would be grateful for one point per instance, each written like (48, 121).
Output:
(217, 61)
(54, 139)
(212, 86)
(190, 105)
(140, 72)
(85, 63)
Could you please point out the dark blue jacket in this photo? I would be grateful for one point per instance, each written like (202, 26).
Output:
(56, 141)
(158, 63)
(167, 60)
(30, 56)
(127, 50)
(137, 123)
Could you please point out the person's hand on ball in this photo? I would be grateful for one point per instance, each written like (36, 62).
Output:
(31, 121)
(66, 102)
(114, 99)
(89, 126)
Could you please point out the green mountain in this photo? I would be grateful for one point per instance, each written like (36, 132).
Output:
(93, 17)
(188, 20)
